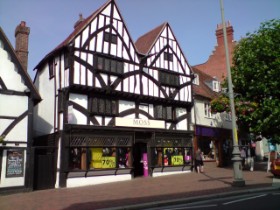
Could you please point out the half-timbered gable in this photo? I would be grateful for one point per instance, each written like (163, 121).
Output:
(166, 75)
(165, 70)
(17, 98)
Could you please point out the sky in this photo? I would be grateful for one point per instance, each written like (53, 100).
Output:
(193, 21)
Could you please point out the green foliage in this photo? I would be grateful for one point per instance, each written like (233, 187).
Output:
(255, 76)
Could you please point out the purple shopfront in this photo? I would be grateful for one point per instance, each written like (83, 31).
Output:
(215, 143)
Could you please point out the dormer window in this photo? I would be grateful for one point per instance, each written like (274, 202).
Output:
(216, 86)
(196, 79)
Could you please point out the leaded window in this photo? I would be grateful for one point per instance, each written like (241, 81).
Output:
(103, 106)
(169, 79)
(108, 65)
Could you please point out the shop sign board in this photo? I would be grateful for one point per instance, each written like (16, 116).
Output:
(139, 123)
(15, 163)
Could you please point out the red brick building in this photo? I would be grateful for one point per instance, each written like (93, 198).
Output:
(216, 63)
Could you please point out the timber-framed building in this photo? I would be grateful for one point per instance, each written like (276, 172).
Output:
(112, 109)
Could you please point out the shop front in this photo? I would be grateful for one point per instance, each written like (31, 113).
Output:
(94, 156)
(215, 143)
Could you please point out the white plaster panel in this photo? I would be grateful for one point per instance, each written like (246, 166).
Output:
(101, 21)
(182, 125)
(116, 14)
(76, 72)
(93, 26)
(107, 120)
(99, 42)
(114, 50)
(126, 85)
(80, 99)
(85, 35)
(66, 78)
(12, 80)
(92, 44)
(44, 111)
(19, 132)
(126, 105)
(13, 106)
(106, 47)
(105, 78)
(80, 118)
(90, 78)
(180, 112)
(119, 50)
(137, 88)
(4, 123)
(120, 28)
(107, 10)
(83, 75)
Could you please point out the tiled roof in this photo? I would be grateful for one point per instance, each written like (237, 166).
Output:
(202, 89)
(145, 42)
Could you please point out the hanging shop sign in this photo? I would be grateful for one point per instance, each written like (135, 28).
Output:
(139, 123)
(15, 163)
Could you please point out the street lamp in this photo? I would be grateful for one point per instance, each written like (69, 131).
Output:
(237, 168)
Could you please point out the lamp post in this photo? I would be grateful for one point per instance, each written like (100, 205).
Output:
(237, 168)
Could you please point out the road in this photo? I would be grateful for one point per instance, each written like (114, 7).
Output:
(258, 201)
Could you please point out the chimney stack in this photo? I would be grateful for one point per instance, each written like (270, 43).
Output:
(21, 49)
(81, 19)
(220, 34)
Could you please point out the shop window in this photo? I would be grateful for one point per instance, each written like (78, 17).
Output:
(173, 156)
(100, 158)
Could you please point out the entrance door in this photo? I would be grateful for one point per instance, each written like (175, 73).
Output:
(139, 162)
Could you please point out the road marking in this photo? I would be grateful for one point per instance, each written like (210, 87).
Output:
(244, 199)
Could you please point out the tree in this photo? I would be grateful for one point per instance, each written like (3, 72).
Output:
(256, 79)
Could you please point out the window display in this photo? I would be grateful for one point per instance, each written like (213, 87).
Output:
(171, 156)
(100, 158)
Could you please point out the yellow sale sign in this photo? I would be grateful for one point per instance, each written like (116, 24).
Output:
(177, 160)
(108, 162)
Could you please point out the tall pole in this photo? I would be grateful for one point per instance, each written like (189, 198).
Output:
(236, 159)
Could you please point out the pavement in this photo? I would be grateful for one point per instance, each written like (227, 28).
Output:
(145, 192)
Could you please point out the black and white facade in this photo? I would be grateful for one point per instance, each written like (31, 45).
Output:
(17, 99)
(113, 109)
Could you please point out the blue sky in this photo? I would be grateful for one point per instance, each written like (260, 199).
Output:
(193, 21)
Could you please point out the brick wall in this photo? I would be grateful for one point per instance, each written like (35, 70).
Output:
(216, 63)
